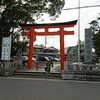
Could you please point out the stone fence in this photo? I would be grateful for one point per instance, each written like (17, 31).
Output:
(81, 71)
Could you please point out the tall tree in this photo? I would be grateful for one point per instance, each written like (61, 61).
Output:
(19, 43)
(95, 26)
(13, 12)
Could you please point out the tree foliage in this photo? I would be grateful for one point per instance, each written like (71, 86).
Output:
(13, 12)
(95, 26)
(18, 43)
(23, 11)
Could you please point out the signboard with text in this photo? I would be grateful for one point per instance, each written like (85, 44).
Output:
(6, 48)
(88, 46)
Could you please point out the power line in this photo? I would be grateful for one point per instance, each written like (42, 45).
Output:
(81, 7)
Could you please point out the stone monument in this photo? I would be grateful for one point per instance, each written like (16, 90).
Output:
(88, 64)
(88, 46)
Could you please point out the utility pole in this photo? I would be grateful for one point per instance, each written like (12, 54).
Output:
(45, 41)
(79, 31)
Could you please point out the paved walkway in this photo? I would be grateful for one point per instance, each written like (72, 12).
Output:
(41, 68)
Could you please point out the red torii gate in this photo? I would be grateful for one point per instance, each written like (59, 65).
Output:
(32, 32)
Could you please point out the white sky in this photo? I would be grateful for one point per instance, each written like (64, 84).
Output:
(86, 16)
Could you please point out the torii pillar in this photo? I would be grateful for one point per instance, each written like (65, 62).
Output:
(32, 32)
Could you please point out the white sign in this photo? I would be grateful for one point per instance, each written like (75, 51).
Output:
(6, 48)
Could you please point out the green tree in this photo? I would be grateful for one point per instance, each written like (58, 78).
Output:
(13, 12)
(95, 26)
(19, 43)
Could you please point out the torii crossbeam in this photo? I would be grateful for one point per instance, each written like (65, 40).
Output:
(32, 32)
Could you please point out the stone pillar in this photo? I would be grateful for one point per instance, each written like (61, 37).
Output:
(18, 61)
(67, 68)
(88, 46)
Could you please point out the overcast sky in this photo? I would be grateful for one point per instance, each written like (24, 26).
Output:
(86, 16)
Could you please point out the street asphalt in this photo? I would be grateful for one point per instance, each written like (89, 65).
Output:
(47, 89)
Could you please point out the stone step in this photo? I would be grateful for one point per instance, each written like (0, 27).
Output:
(37, 75)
